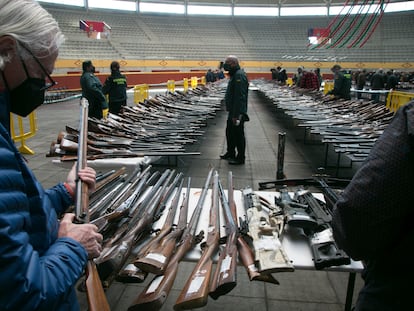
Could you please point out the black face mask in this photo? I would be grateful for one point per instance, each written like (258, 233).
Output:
(27, 96)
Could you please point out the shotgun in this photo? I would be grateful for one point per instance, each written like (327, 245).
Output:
(156, 292)
(137, 273)
(113, 257)
(225, 276)
(196, 290)
(95, 293)
(155, 257)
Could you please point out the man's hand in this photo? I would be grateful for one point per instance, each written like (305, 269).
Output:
(87, 175)
(85, 234)
(236, 121)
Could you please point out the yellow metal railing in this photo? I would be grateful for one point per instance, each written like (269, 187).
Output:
(171, 86)
(185, 84)
(20, 135)
(141, 93)
(194, 82)
(396, 99)
(327, 87)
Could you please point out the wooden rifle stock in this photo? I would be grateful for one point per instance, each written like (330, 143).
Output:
(196, 290)
(225, 276)
(135, 273)
(115, 257)
(95, 293)
(157, 254)
(156, 292)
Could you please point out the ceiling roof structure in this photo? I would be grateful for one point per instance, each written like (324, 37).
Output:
(280, 3)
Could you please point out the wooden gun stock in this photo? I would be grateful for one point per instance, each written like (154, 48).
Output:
(156, 292)
(95, 293)
(156, 256)
(225, 276)
(196, 290)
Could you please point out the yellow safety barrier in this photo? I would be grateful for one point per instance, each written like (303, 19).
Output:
(289, 81)
(327, 87)
(21, 137)
(185, 84)
(171, 86)
(396, 99)
(194, 82)
(141, 93)
(203, 81)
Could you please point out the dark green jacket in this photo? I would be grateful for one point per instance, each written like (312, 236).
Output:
(92, 90)
(342, 86)
(115, 86)
(236, 94)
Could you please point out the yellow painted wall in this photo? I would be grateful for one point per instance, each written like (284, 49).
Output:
(76, 64)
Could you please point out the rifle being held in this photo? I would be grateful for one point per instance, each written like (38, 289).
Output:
(196, 290)
(156, 292)
(95, 293)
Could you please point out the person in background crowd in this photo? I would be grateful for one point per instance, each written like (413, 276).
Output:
(275, 74)
(282, 77)
(309, 80)
(372, 220)
(342, 84)
(318, 74)
(41, 258)
(210, 76)
(377, 83)
(236, 105)
(298, 76)
(115, 87)
(361, 80)
(92, 91)
(392, 80)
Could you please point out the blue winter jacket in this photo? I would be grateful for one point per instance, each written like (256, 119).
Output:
(38, 270)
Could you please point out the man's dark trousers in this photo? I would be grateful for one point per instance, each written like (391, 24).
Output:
(236, 140)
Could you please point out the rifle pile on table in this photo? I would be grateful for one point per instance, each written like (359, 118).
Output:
(352, 126)
(162, 125)
(149, 227)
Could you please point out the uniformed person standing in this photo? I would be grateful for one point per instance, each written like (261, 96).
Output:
(92, 91)
(236, 105)
(115, 87)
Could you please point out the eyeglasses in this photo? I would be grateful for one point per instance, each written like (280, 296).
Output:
(47, 85)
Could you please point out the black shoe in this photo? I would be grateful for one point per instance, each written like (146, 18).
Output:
(226, 156)
(236, 162)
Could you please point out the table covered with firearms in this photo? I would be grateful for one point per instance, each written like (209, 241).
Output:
(153, 221)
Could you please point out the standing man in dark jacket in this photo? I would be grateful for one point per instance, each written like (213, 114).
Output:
(92, 91)
(236, 105)
(342, 84)
(115, 87)
(377, 83)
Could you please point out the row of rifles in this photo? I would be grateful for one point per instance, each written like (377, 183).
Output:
(133, 249)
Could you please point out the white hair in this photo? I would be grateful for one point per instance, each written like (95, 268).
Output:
(31, 25)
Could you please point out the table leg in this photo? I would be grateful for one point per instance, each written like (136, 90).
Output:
(350, 291)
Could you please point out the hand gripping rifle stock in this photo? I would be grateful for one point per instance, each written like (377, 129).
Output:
(225, 276)
(196, 290)
(155, 257)
(155, 294)
(95, 293)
